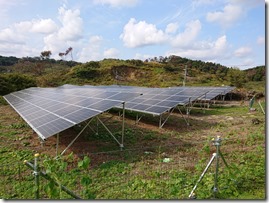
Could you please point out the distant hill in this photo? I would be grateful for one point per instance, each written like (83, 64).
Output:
(19, 73)
(256, 74)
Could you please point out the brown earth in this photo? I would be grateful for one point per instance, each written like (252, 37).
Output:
(139, 138)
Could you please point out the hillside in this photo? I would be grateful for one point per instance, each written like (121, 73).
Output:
(21, 73)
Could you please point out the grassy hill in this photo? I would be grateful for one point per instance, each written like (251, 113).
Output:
(157, 72)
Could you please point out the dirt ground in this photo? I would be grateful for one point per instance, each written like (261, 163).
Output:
(144, 135)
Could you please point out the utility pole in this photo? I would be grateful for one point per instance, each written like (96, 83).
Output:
(185, 75)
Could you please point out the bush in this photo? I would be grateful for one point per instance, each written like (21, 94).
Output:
(87, 70)
(237, 77)
(15, 82)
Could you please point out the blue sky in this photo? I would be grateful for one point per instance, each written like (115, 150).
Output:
(229, 32)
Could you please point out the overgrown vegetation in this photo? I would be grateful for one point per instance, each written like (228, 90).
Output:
(156, 72)
(155, 163)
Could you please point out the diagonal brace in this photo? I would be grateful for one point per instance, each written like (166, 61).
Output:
(77, 136)
(121, 145)
(169, 114)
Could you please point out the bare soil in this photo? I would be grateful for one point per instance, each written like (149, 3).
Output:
(145, 136)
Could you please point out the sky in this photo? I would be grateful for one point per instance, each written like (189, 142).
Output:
(227, 32)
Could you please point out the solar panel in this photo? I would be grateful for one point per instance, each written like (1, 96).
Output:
(51, 110)
(213, 92)
(162, 100)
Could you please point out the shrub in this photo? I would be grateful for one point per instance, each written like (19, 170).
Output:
(87, 70)
(15, 82)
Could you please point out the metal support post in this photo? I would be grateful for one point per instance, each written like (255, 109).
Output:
(162, 123)
(57, 144)
(36, 174)
(217, 144)
(109, 131)
(204, 104)
(123, 125)
(261, 107)
(41, 142)
(47, 177)
(138, 119)
(97, 127)
(202, 175)
(187, 122)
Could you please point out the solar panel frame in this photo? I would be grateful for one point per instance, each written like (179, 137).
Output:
(70, 104)
(62, 105)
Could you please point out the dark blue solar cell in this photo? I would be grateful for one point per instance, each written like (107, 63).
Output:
(87, 102)
(46, 118)
(123, 96)
(104, 105)
(141, 107)
(54, 127)
(81, 115)
(66, 110)
(150, 102)
(157, 109)
(177, 98)
(168, 103)
(105, 95)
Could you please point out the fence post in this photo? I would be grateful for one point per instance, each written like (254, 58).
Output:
(46, 176)
(36, 173)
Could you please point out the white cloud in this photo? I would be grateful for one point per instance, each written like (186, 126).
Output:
(5, 6)
(42, 26)
(248, 3)
(143, 56)
(190, 33)
(232, 11)
(171, 28)
(96, 39)
(117, 3)
(242, 52)
(19, 32)
(137, 34)
(10, 36)
(55, 38)
(71, 24)
(204, 50)
(227, 17)
(67, 35)
(18, 50)
(196, 3)
(111, 53)
(14, 42)
(248, 62)
(261, 40)
(92, 50)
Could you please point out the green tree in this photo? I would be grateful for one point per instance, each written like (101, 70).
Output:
(237, 77)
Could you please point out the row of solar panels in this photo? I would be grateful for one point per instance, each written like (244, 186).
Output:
(51, 110)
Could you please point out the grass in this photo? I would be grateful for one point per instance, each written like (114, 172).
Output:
(139, 171)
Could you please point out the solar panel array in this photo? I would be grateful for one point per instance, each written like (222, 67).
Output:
(157, 101)
(51, 110)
